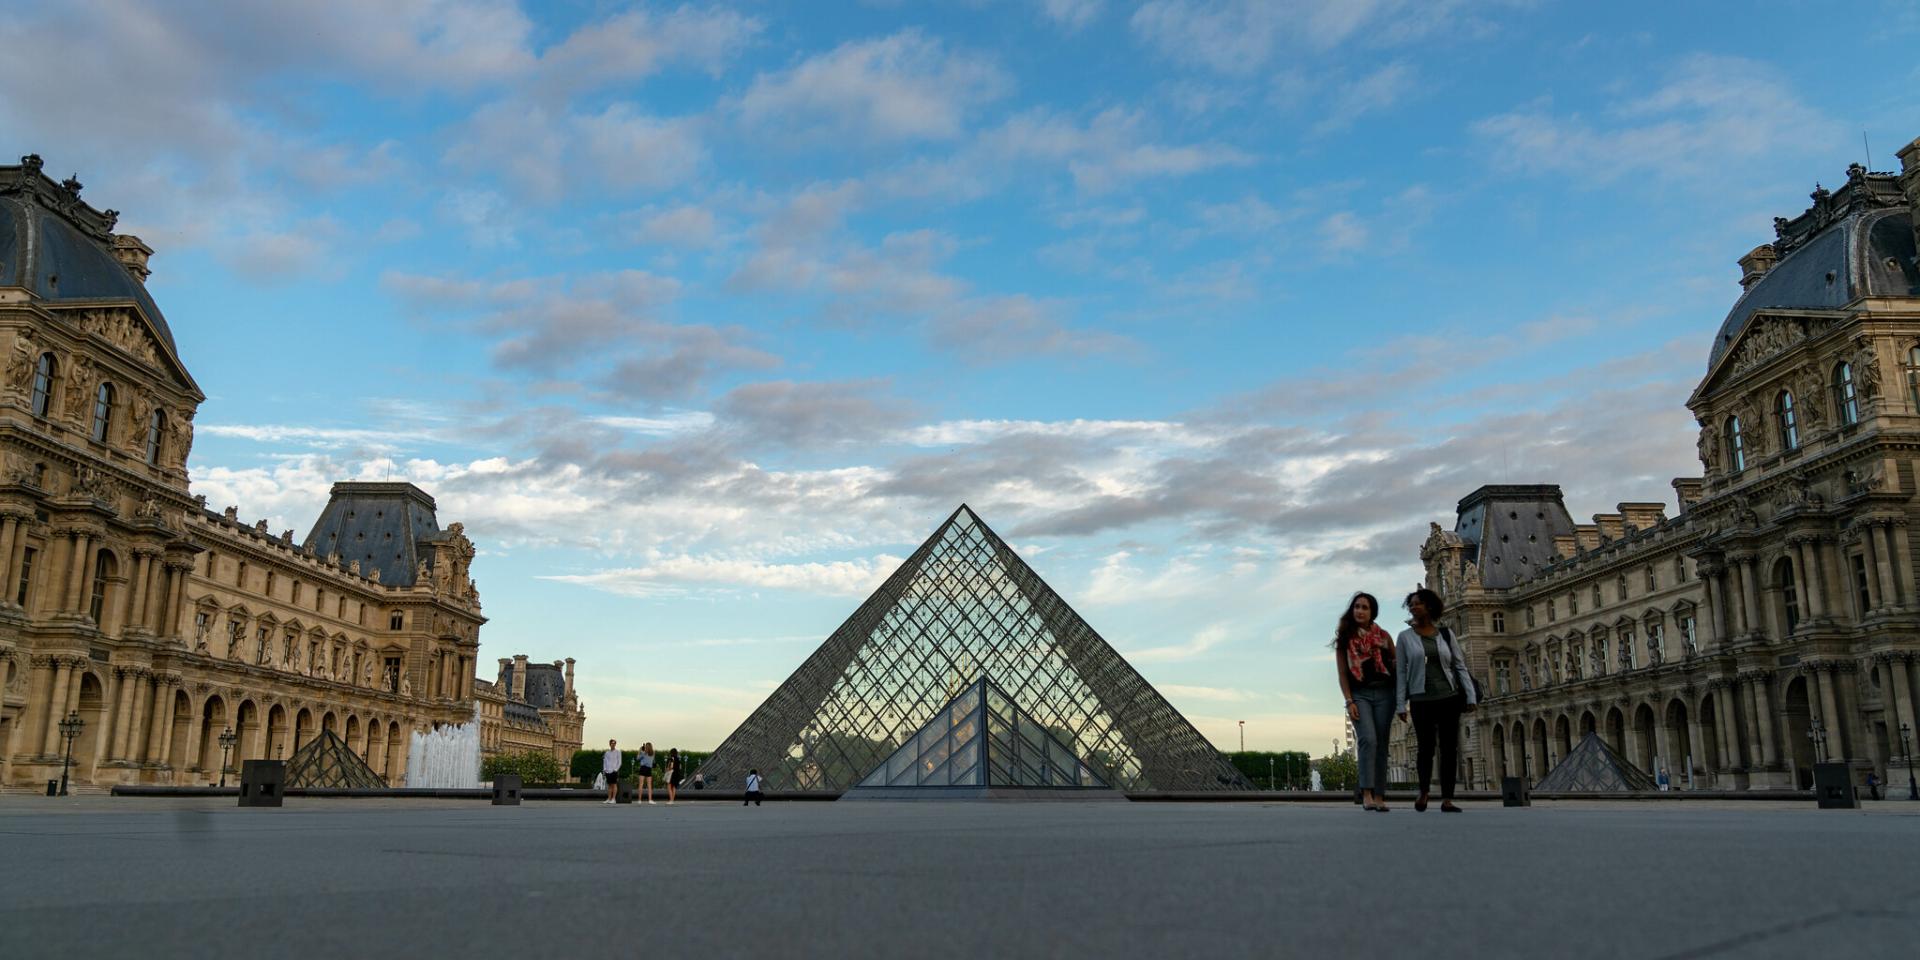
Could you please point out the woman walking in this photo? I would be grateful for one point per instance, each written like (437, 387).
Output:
(644, 763)
(1433, 681)
(1364, 660)
(673, 774)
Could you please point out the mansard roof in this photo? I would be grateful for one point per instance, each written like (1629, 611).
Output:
(1512, 527)
(382, 525)
(60, 248)
(1852, 243)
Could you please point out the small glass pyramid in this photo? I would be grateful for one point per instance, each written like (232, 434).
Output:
(983, 739)
(326, 761)
(1593, 767)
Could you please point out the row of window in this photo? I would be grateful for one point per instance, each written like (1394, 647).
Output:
(1786, 422)
(1589, 655)
(105, 408)
(396, 620)
(1499, 624)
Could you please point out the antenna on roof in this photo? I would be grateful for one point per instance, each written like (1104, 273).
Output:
(1867, 147)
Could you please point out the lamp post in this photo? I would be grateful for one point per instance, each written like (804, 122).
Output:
(227, 739)
(1913, 790)
(1243, 736)
(70, 731)
(1270, 772)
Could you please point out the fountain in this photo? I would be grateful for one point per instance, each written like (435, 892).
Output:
(1316, 781)
(447, 757)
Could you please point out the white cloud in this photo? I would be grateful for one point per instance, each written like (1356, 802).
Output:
(684, 225)
(1708, 111)
(1202, 641)
(678, 575)
(1191, 692)
(899, 88)
(1072, 14)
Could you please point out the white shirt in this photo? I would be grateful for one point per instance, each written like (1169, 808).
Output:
(753, 782)
(610, 762)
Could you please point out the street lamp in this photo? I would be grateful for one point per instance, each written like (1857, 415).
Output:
(69, 730)
(1243, 736)
(1913, 790)
(227, 739)
(1270, 772)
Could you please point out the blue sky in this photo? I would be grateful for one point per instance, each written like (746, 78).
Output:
(701, 316)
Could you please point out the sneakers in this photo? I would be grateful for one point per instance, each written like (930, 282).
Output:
(608, 802)
(650, 803)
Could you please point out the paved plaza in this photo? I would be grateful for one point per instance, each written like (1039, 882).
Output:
(98, 876)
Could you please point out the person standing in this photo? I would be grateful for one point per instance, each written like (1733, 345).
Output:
(1364, 660)
(753, 788)
(673, 775)
(645, 762)
(610, 768)
(1431, 678)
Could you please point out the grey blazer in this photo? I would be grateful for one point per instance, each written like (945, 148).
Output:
(1410, 666)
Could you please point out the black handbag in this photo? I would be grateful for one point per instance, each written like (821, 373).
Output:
(1479, 692)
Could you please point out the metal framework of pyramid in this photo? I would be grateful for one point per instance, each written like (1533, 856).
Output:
(981, 744)
(962, 608)
(1593, 767)
(327, 761)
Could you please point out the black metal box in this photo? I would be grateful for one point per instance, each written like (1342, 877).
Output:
(262, 782)
(506, 790)
(1833, 787)
(1515, 792)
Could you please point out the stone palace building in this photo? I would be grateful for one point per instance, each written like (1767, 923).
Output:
(1775, 621)
(531, 707)
(159, 623)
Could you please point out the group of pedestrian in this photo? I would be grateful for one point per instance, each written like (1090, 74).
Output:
(1421, 676)
(610, 763)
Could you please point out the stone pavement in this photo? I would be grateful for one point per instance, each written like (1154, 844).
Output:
(417, 878)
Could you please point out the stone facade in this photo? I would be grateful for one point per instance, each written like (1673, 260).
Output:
(158, 622)
(1773, 622)
(531, 706)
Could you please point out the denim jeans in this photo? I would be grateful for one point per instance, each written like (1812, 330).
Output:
(1370, 734)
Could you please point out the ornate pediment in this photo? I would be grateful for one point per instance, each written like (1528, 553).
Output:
(1766, 337)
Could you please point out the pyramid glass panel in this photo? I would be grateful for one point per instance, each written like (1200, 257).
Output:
(964, 607)
(981, 750)
(326, 761)
(1593, 767)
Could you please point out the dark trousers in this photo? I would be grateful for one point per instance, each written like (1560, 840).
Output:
(753, 797)
(1437, 723)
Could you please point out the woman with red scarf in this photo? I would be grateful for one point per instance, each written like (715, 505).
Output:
(1364, 655)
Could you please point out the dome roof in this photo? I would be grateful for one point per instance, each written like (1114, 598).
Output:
(1855, 243)
(59, 248)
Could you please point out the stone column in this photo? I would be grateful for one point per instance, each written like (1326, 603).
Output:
(9, 530)
(143, 697)
(1696, 758)
(1808, 574)
(123, 714)
(137, 602)
(1763, 715)
(163, 721)
(1750, 707)
(1712, 594)
(56, 704)
(154, 612)
(1749, 596)
(194, 720)
(1728, 724)
(1902, 557)
(177, 594)
(1836, 746)
(15, 557)
(39, 691)
(1883, 565)
(76, 573)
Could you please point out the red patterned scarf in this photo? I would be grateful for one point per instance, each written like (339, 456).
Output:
(1369, 644)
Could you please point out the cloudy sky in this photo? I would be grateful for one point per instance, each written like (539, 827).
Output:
(701, 316)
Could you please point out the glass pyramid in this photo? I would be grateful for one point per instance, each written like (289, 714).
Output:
(964, 607)
(1593, 767)
(982, 739)
(327, 761)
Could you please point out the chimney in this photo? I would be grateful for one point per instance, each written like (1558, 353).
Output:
(1612, 525)
(1756, 263)
(500, 678)
(520, 677)
(1563, 545)
(1687, 491)
(1910, 184)
(1644, 516)
(569, 679)
(1587, 536)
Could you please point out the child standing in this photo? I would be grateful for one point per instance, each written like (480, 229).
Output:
(753, 788)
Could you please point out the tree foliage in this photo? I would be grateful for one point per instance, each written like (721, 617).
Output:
(1338, 772)
(1283, 770)
(533, 767)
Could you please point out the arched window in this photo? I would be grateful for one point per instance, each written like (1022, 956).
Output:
(1913, 376)
(42, 384)
(1785, 423)
(1844, 400)
(1736, 450)
(102, 412)
(1789, 596)
(156, 425)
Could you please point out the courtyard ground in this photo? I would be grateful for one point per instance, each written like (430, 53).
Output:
(100, 876)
